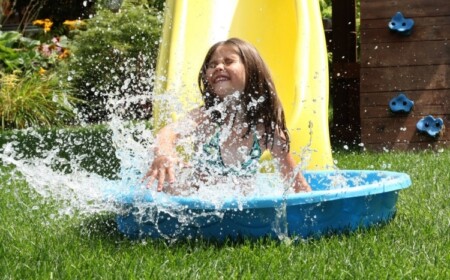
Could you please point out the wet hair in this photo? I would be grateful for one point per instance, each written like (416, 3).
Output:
(260, 99)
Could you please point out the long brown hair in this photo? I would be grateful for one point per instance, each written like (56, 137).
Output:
(260, 99)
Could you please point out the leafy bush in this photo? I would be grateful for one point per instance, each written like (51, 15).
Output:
(113, 61)
(325, 8)
(23, 55)
(18, 53)
(31, 94)
(34, 100)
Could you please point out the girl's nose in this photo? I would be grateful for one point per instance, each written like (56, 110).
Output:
(220, 66)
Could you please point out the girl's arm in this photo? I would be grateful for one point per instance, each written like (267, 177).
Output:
(166, 157)
(288, 164)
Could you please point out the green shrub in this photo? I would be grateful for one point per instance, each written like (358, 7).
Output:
(34, 100)
(325, 8)
(18, 53)
(113, 60)
(31, 93)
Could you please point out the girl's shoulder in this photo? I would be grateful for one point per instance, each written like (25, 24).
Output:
(202, 120)
(187, 123)
(274, 141)
(198, 115)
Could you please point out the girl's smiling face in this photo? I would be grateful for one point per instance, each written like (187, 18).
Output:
(225, 71)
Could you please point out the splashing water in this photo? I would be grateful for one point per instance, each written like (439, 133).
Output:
(68, 167)
(91, 181)
(86, 170)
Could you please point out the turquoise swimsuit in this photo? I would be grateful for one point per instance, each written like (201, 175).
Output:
(213, 164)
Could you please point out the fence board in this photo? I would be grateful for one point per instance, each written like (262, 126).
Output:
(420, 97)
(420, 22)
(386, 9)
(439, 32)
(397, 130)
(405, 53)
(405, 78)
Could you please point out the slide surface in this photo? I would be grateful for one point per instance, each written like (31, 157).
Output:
(288, 34)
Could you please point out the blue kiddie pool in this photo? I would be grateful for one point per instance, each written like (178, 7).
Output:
(341, 201)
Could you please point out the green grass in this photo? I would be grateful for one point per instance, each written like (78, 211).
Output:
(415, 244)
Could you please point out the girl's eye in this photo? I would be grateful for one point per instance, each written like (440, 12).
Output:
(211, 65)
(226, 62)
(229, 61)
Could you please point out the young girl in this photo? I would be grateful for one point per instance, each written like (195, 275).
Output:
(241, 117)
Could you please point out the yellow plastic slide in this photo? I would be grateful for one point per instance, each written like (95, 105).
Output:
(289, 35)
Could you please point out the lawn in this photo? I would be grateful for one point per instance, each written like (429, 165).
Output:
(415, 244)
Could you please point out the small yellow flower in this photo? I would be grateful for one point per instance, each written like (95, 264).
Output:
(74, 24)
(38, 22)
(42, 71)
(46, 24)
(64, 54)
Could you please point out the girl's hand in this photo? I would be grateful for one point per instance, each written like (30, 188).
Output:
(288, 170)
(300, 184)
(162, 170)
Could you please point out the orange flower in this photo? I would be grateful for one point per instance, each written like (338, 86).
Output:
(46, 24)
(74, 24)
(42, 71)
(64, 54)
